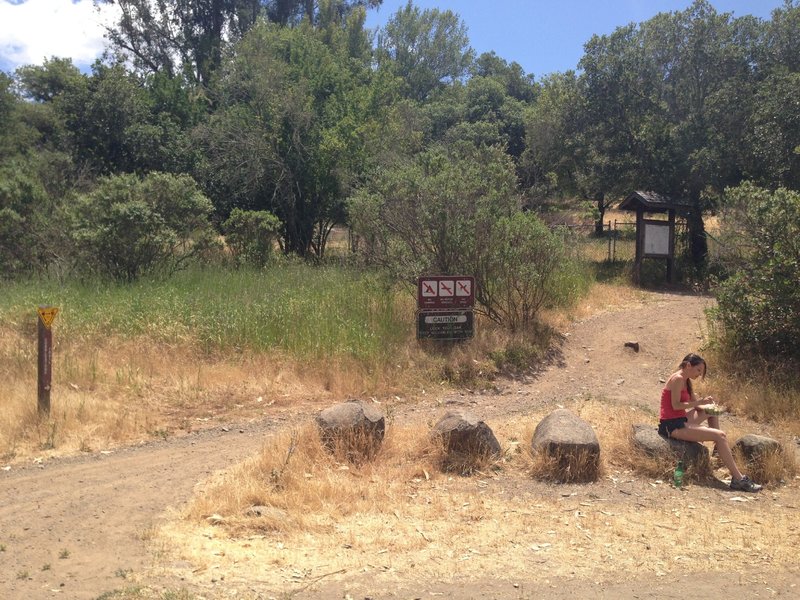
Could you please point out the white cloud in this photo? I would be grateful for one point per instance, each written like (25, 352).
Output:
(32, 30)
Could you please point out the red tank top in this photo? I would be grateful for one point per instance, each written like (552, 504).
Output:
(667, 412)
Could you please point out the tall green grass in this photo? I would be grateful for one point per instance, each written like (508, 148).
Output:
(304, 311)
(571, 282)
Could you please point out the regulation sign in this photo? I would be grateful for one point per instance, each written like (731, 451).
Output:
(445, 325)
(436, 292)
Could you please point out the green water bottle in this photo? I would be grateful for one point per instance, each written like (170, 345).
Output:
(679, 474)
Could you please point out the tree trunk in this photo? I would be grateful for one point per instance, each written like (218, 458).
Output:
(698, 243)
(600, 198)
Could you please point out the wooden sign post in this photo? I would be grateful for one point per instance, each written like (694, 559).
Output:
(47, 315)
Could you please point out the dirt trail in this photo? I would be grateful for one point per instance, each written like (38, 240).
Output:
(594, 361)
(99, 511)
(73, 528)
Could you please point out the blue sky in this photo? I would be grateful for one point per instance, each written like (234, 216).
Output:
(541, 35)
(545, 36)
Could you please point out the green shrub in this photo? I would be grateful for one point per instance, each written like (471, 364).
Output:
(519, 269)
(31, 222)
(759, 304)
(250, 235)
(433, 215)
(130, 226)
(455, 211)
(14, 251)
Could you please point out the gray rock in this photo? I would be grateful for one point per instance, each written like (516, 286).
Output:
(463, 433)
(355, 427)
(566, 429)
(754, 447)
(571, 441)
(646, 439)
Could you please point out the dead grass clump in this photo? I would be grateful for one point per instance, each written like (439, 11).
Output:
(699, 470)
(762, 403)
(79, 421)
(357, 446)
(465, 463)
(116, 391)
(602, 297)
(771, 466)
(566, 465)
(464, 364)
(660, 466)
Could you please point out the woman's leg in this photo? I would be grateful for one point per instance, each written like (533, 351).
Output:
(695, 418)
(707, 434)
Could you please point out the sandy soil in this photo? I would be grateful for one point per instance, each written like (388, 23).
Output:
(83, 526)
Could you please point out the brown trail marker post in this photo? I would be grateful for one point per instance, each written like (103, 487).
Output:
(47, 315)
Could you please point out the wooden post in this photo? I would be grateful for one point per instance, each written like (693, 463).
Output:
(637, 263)
(45, 320)
(671, 257)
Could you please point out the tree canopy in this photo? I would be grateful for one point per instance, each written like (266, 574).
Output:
(291, 108)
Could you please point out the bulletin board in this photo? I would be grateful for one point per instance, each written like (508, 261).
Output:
(656, 239)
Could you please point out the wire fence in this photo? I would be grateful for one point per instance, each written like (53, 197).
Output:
(615, 243)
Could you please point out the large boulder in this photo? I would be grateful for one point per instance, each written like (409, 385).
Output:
(693, 454)
(570, 444)
(463, 433)
(762, 456)
(756, 447)
(354, 428)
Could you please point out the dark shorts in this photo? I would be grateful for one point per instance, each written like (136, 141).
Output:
(667, 426)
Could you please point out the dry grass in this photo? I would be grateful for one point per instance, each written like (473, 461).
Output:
(747, 395)
(602, 297)
(311, 486)
(566, 467)
(772, 466)
(400, 516)
(296, 473)
(121, 391)
(112, 391)
(299, 476)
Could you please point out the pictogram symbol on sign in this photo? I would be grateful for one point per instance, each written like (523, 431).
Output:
(429, 289)
(435, 292)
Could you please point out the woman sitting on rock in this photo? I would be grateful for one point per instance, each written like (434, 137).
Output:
(682, 418)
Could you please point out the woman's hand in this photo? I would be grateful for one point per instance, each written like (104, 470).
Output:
(701, 402)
